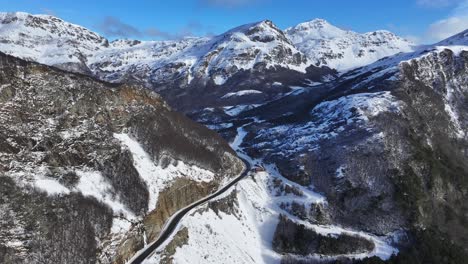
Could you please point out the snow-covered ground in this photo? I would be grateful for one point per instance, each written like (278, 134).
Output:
(155, 176)
(246, 236)
(237, 109)
(44, 38)
(343, 50)
(241, 93)
(91, 183)
(52, 41)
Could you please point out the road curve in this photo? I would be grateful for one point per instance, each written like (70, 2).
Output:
(172, 223)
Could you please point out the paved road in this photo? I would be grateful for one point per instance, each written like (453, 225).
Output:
(171, 225)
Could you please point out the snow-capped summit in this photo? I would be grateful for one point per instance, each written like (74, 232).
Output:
(47, 39)
(203, 59)
(246, 46)
(326, 44)
(315, 29)
(52, 41)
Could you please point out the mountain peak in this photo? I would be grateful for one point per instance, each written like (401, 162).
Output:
(317, 22)
(31, 19)
(64, 42)
(315, 29)
(263, 25)
(267, 22)
(263, 31)
(341, 49)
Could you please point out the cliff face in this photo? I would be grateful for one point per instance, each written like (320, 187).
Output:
(433, 181)
(84, 162)
(410, 169)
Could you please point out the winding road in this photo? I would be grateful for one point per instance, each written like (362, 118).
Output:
(172, 223)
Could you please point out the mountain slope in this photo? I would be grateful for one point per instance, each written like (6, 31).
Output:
(48, 40)
(91, 170)
(257, 54)
(325, 44)
(384, 145)
(52, 41)
(204, 59)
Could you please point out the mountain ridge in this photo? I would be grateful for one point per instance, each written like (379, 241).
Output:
(344, 50)
(92, 52)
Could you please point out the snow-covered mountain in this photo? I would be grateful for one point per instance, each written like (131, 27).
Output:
(48, 40)
(354, 154)
(325, 44)
(204, 59)
(52, 41)
(460, 39)
(257, 56)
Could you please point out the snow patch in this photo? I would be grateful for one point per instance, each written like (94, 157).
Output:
(52, 187)
(154, 175)
(237, 109)
(92, 184)
(219, 80)
(241, 93)
(340, 172)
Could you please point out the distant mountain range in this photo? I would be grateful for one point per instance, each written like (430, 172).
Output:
(52, 41)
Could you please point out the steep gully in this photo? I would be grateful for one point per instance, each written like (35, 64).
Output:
(382, 248)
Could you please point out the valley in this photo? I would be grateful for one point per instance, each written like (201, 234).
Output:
(310, 144)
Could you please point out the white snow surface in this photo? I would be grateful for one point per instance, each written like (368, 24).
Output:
(91, 184)
(155, 176)
(234, 110)
(241, 93)
(52, 187)
(325, 44)
(46, 39)
(246, 235)
(366, 104)
(52, 41)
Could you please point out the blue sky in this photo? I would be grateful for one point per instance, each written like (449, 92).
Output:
(419, 20)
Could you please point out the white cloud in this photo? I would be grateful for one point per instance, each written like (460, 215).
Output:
(444, 28)
(447, 27)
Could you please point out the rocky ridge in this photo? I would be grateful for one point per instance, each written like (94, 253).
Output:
(211, 68)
